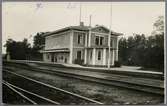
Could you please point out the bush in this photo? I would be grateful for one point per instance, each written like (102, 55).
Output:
(117, 64)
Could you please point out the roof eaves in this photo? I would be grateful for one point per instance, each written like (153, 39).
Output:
(117, 34)
(57, 31)
(85, 28)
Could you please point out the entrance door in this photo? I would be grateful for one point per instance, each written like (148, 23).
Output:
(52, 58)
(78, 55)
(90, 57)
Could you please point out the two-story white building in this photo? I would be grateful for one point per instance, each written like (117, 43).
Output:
(81, 44)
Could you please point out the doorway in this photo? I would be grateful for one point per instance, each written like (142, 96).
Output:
(78, 55)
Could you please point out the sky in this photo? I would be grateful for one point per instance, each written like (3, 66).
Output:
(24, 19)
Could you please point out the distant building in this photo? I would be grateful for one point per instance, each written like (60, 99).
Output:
(81, 44)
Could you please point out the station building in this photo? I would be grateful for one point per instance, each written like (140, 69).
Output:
(81, 44)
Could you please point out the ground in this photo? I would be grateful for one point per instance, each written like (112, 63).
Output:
(103, 93)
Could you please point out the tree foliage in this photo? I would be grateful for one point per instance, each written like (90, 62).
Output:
(18, 50)
(38, 44)
(21, 50)
(144, 51)
(39, 40)
(158, 26)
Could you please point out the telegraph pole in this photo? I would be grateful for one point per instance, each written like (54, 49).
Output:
(109, 38)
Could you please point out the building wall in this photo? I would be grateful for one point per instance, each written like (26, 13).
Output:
(93, 40)
(75, 39)
(56, 57)
(105, 40)
(63, 41)
(97, 61)
(75, 53)
(93, 45)
(57, 41)
(114, 39)
(61, 57)
(100, 62)
(111, 57)
(100, 30)
(46, 57)
(89, 56)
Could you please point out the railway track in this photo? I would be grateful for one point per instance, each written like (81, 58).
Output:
(119, 83)
(42, 90)
(11, 96)
(30, 97)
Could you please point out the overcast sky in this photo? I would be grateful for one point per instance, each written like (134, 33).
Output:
(22, 19)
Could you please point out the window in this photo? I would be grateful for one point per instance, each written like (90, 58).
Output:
(79, 55)
(79, 38)
(61, 57)
(48, 56)
(55, 59)
(111, 43)
(52, 57)
(99, 55)
(97, 40)
(91, 55)
(101, 40)
(65, 60)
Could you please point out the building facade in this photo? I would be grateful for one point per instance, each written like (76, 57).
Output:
(81, 45)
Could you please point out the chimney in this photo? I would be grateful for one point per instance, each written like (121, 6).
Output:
(81, 23)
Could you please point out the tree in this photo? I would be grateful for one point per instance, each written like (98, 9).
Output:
(158, 26)
(123, 52)
(131, 49)
(154, 52)
(38, 44)
(157, 43)
(39, 40)
(18, 50)
(140, 50)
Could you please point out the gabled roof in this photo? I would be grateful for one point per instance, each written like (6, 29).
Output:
(81, 28)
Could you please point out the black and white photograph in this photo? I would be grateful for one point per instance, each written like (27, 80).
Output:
(83, 53)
